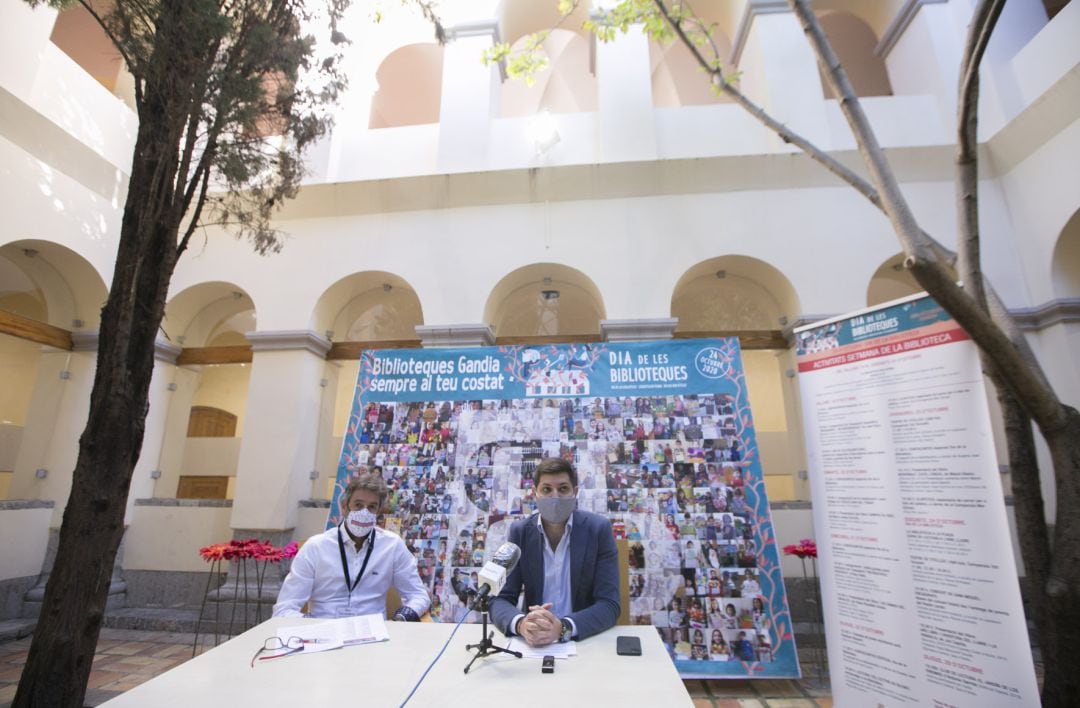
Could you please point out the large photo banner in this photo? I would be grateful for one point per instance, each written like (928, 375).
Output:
(663, 440)
(919, 585)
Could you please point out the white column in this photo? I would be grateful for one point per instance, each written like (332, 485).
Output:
(168, 456)
(1003, 93)
(779, 69)
(470, 94)
(922, 48)
(160, 418)
(627, 131)
(278, 450)
(55, 420)
(352, 119)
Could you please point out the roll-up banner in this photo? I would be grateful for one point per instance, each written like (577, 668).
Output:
(919, 583)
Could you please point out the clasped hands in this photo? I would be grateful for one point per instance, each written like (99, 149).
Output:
(540, 626)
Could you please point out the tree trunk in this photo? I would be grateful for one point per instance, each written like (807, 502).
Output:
(1061, 592)
(62, 651)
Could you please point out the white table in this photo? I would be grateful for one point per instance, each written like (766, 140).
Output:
(383, 674)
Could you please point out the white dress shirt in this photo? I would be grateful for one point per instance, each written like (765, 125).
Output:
(317, 577)
(556, 574)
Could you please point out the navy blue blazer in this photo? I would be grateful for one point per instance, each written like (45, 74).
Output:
(594, 574)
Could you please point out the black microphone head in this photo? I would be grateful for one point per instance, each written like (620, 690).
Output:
(507, 555)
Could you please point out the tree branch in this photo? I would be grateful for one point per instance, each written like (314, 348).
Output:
(784, 132)
(196, 213)
(967, 160)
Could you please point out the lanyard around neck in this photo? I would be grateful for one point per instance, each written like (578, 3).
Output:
(345, 563)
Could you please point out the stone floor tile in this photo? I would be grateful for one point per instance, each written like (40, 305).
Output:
(703, 703)
(136, 661)
(145, 666)
(10, 673)
(7, 692)
(696, 688)
(769, 688)
(731, 688)
(792, 703)
(824, 702)
(750, 703)
(99, 678)
(130, 648)
(126, 684)
(166, 650)
(727, 703)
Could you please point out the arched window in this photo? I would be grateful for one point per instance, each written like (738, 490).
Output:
(854, 43)
(545, 300)
(410, 87)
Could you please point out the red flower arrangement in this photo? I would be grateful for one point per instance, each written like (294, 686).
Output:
(806, 548)
(262, 554)
(248, 548)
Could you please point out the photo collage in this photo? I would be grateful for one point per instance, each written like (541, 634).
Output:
(669, 471)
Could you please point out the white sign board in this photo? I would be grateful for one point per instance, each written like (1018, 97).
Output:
(920, 596)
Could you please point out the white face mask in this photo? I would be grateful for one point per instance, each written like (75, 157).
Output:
(359, 523)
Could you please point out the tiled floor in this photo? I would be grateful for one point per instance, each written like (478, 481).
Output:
(127, 657)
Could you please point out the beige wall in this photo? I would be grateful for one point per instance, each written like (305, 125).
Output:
(169, 537)
(18, 371)
(25, 534)
(225, 386)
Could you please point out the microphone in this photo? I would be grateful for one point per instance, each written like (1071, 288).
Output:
(492, 576)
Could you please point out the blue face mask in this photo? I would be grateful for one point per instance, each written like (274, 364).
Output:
(556, 510)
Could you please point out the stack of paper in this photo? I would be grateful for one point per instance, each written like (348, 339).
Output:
(335, 633)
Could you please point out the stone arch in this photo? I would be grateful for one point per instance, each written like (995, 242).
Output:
(368, 306)
(213, 314)
(1065, 263)
(48, 283)
(545, 299)
(855, 42)
(731, 293)
(677, 79)
(51, 283)
(410, 87)
(566, 85)
(890, 281)
(518, 18)
(736, 293)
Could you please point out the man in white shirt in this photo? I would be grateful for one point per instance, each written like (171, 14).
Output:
(346, 571)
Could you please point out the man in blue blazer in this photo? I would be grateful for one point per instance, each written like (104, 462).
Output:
(569, 567)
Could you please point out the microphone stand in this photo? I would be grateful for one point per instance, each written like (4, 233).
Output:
(486, 646)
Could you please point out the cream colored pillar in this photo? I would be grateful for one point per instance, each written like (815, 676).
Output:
(181, 383)
(55, 420)
(278, 450)
(922, 48)
(779, 69)
(160, 418)
(470, 94)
